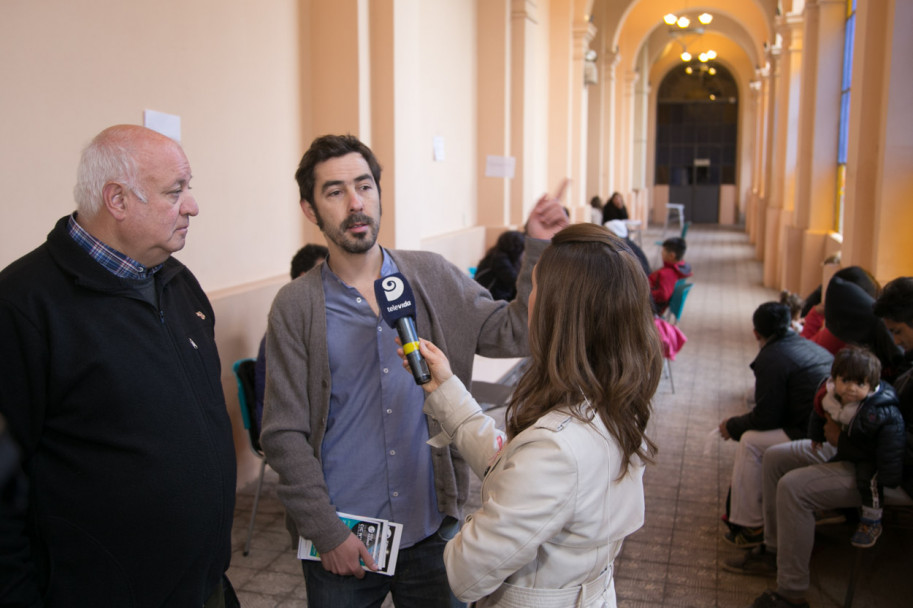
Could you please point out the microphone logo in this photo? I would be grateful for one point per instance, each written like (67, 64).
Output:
(393, 288)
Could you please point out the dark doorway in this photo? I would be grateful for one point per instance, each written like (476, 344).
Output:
(696, 132)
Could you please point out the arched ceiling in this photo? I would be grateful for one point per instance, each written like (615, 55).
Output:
(664, 39)
(739, 31)
(729, 54)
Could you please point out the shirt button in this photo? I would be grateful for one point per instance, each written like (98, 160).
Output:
(358, 300)
(379, 328)
(392, 452)
(386, 371)
(396, 494)
(389, 411)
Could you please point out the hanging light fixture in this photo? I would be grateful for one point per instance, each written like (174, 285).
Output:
(700, 69)
(684, 22)
(680, 28)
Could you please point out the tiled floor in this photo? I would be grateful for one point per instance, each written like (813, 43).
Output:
(674, 560)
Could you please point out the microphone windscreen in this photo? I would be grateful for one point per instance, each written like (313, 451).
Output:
(394, 297)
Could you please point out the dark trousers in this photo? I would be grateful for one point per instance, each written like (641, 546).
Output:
(420, 580)
(223, 596)
(870, 490)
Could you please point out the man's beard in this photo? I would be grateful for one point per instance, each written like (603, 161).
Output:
(351, 243)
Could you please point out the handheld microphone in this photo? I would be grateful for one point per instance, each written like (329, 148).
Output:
(397, 306)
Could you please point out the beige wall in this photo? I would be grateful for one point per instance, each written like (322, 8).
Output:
(435, 196)
(255, 81)
(252, 88)
(228, 68)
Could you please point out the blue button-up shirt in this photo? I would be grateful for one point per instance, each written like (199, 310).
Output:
(375, 459)
(114, 261)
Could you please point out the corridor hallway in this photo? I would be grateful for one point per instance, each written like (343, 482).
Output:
(674, 560)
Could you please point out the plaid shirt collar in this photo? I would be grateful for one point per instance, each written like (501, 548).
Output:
(112, 260)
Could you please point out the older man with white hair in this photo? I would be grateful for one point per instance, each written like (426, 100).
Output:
(112, 391)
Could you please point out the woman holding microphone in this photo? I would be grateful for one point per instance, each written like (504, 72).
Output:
(563, 486)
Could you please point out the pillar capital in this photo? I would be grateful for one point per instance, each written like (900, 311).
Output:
(609, 61)
(524, 9)
(583, 33)
(790, 28)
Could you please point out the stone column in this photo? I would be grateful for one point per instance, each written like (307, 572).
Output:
(583, 33)
(640, 170)
(609, 177)
(878, 213)
(495, 109)
(523, 22)
(791, 27)
(819, 113)
(754, 105)
(626, 138)
(773, 176)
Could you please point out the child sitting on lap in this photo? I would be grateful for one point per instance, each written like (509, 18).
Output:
(872, 431)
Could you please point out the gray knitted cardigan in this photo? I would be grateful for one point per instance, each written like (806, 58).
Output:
(454, 312)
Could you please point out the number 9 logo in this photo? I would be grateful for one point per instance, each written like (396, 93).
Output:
(393, 288)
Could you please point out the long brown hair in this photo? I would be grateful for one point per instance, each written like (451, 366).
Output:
(592, 338)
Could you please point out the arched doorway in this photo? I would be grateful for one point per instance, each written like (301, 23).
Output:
(696, 136)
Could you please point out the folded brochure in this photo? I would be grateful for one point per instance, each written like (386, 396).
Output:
(381, 537)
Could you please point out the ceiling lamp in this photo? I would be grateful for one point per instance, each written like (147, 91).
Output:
(682, 31)
(684, 22)
(701, 69)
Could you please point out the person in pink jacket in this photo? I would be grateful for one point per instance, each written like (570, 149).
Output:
(662, 281)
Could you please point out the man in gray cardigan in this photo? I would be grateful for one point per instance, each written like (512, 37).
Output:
(343, 423)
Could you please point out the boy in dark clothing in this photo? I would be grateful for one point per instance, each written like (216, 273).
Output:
(662, 281)
(855, 398)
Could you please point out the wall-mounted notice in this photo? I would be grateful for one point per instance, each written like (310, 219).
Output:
(437, 144)
(166, 124)
(500, 166)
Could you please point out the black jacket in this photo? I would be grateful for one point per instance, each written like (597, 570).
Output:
(611, 212)
(904, 388)
(787, 373)
(118, 409)
(498, 274)
(876, 433)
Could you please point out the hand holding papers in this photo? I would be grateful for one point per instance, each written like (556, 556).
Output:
(380, 537)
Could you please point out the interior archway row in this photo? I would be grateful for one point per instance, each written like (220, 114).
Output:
(569, 88)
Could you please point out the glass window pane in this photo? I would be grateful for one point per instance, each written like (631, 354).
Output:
(848, 52)
(844, 127)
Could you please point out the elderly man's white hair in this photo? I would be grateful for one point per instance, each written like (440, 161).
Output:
(109, 157)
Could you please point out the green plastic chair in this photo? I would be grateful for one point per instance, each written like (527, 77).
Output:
(244, 374)
(677, 301)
